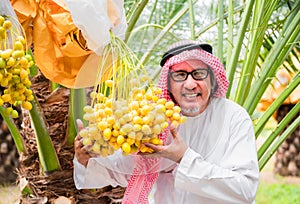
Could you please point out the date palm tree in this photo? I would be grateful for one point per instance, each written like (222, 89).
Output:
(9, 157)
(239, 31)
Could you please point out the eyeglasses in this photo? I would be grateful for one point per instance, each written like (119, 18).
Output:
(197, 74)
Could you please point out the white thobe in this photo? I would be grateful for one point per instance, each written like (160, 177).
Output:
(220, 165)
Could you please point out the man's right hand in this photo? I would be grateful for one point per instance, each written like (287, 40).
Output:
(80, 152)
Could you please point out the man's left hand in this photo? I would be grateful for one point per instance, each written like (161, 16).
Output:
(174, 151)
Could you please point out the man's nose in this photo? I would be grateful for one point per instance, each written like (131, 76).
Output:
(190, 83)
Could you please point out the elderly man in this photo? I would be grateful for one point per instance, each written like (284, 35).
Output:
(213, 153)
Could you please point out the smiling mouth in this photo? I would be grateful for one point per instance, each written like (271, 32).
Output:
(192, 95)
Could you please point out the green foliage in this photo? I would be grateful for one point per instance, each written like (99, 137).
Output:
(47, 154)
(77, 102)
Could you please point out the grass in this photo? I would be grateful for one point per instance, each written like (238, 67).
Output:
(278, 193)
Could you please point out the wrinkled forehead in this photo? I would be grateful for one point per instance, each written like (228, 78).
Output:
(189, 65)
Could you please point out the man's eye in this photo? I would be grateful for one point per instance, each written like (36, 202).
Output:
(199, 73)
(180, 74)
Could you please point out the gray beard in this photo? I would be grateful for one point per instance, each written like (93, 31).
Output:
(191, 111)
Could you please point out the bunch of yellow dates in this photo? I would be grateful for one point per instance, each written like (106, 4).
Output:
(14, 69)
(127, 124)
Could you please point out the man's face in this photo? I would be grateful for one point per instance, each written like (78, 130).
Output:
(191, 95)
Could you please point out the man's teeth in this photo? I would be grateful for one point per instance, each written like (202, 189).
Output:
(191, 95)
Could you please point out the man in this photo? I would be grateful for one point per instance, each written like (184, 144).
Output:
(213, 152)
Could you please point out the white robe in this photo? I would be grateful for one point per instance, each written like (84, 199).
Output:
(220, 165)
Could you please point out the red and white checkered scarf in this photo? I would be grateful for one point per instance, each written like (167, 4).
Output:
(140, 184)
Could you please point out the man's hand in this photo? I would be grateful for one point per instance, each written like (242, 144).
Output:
(80, 152)
(174, 151)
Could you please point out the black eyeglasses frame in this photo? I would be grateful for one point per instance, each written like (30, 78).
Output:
(189, 73)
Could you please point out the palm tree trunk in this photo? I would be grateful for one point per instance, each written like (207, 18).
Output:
(287, 159)
(9, 157)
(47, 188)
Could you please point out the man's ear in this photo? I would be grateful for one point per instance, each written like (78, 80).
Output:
(213, 82)
(214, 87)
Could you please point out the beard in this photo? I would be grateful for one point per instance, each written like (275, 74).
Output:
(191, 111)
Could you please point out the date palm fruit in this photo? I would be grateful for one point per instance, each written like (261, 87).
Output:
(14, 67)
(126, 110)
(137, 121)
